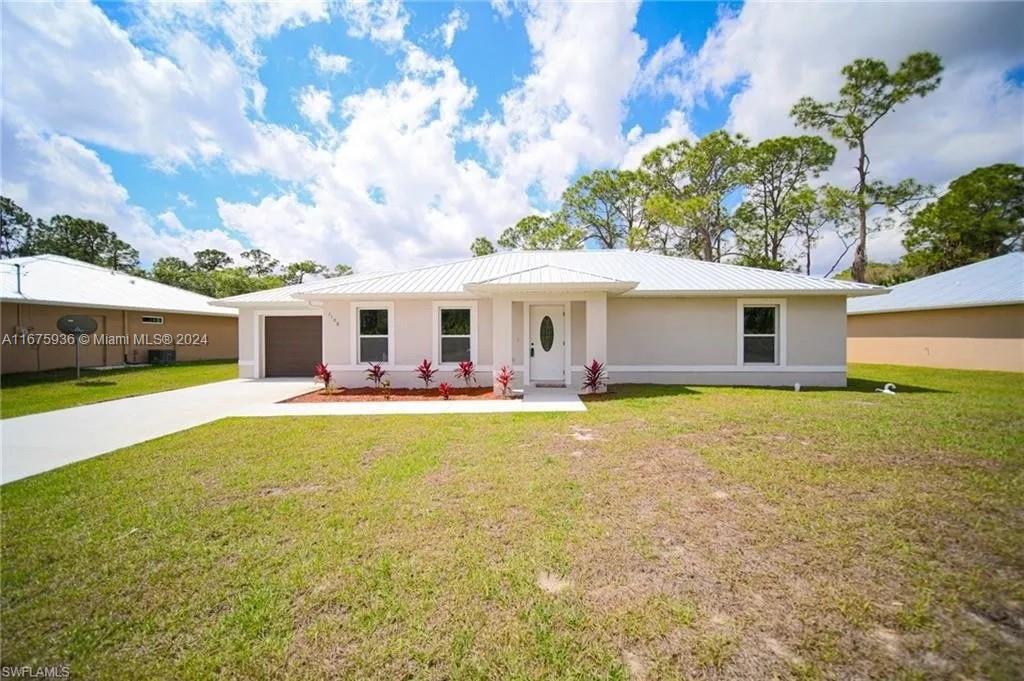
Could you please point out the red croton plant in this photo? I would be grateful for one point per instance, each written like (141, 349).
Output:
(445, 389)
(503, 378)
(467, 372)
(322, 374)
(426, 372)
(376, 374)
(594, 376)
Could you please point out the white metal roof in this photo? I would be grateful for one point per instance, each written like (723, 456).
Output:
(997, 281)
(284, 296)
(654, 275)
(551, 277)
(56, 280)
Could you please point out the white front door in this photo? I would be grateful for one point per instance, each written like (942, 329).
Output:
(547, 343)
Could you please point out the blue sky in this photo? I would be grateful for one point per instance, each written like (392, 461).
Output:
(387, 134)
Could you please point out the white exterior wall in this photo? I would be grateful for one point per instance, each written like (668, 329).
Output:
(697, 341)
(247, 340)
(413, 328)
(646, 340)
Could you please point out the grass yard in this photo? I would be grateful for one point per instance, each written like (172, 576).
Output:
(22, 394)
(667, 532)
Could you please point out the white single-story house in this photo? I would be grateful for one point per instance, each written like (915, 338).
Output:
(648, 318)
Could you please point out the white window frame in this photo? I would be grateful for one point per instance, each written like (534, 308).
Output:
(780, 330)
(149, 319)
(355, 335)
(474, 330)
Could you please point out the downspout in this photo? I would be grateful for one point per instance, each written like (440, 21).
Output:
(124, 328)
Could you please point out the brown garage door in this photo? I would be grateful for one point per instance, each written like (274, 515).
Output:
(292, 345)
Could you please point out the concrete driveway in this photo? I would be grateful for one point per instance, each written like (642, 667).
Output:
(40, 442)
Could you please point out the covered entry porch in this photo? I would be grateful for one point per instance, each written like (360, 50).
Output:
(554, 347)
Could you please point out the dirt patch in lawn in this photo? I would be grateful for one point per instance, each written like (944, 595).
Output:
(397, 395)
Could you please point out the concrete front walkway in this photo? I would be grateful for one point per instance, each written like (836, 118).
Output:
(40, 442)
(534, 400)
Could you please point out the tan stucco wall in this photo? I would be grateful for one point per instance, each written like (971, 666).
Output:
(221, 335)
(968, 338)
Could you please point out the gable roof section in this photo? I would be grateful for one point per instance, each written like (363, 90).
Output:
(654, 275)
(56, 280)
(997, 281)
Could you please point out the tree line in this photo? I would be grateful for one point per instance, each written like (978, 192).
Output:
(723, 199)
(212, 272)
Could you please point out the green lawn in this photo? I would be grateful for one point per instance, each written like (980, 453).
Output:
(666, 533)
(22, 394)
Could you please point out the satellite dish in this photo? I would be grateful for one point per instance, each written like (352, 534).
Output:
(76, 325)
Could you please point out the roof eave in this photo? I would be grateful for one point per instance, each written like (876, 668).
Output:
(156, 308)
(930, 308)
(757, 293)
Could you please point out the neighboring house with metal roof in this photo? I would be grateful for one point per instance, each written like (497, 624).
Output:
(971, 317)
(649, 318)
(134, 316)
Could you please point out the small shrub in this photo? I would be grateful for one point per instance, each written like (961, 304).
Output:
(446, 390)
(503, 378)
(594, 376)
(322, 374)
(426, 373)
(376, 374)
(386, 385)
(467, 372)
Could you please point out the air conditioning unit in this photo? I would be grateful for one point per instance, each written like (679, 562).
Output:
(161, 357)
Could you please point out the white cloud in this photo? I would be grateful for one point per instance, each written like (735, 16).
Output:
(242, 24)
(315, 105)
(383, 21)
(186, 200)
(185, 107)
(503, 8)
(569, 111)
(329, 63)
(665, 72)
(457, 21)
(170, 220)
(50, 174)
(776, 53)
(675, 128)
(398, 143)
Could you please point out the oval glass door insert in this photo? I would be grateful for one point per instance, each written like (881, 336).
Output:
(547, 333)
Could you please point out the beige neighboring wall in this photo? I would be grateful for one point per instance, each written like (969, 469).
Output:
(963, 338)
(221, 336)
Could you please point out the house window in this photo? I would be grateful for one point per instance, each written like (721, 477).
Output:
(373, 335)
(760, 334)
(456, 334)
(153, 320)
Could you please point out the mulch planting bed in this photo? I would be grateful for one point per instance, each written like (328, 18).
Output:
(397, 395)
